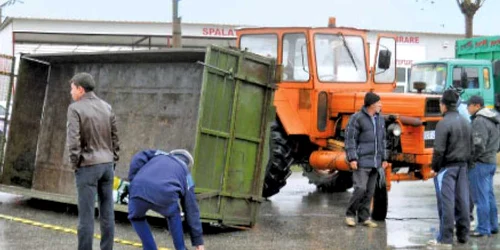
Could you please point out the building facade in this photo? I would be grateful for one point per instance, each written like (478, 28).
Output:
(33, 36)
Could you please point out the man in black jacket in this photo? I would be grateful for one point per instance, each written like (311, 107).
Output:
(486, 140)
(365, 146)
(452, 155)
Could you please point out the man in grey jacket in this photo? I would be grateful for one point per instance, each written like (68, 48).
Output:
(452, 154)
(365, 145)
(92, 141)
(486, 141)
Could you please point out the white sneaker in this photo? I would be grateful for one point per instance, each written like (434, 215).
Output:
(370, 223)
(350, 221)
(439, 245)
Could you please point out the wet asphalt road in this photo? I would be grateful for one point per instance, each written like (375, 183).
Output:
(296, 218)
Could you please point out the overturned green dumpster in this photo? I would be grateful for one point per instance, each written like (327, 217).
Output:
(217, 103)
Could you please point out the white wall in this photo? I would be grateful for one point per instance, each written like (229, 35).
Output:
(122, 28)
(6, 38)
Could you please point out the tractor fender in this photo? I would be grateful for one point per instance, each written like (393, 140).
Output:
(289, 118)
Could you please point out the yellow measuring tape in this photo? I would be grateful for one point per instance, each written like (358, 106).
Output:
(68, 230)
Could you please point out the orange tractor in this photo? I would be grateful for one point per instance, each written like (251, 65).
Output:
(324, 74)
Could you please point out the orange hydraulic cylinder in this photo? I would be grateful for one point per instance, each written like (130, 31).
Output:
(329, 160)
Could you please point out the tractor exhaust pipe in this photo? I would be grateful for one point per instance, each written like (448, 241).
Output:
(332, 22)
(329, 160)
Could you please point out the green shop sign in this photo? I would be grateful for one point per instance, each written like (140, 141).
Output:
(478, 45)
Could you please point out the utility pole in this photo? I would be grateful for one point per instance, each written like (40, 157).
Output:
(176, 25)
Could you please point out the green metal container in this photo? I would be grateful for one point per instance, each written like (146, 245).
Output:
(216, 103)
(485, 48)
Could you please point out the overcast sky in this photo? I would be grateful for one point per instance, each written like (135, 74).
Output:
(442, 16)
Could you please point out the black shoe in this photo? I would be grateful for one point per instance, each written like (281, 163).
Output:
(462, 241)
(477, 235)
(494, 231)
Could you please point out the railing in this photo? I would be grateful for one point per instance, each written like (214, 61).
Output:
(7, 76)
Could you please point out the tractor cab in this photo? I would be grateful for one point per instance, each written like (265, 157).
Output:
(331, 58)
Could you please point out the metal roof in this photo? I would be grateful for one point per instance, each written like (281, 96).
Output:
(170, 55)
(472, 62)
(113, 33)
(10, 19)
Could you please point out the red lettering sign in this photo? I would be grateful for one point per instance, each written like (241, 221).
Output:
(223, 32)
(482, 43)
(495, 42)
(467, 45)
(404, 62)
(408, 39)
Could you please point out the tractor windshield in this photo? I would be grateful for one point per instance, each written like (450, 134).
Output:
(340, 58)
(262, 44)
(432, 74)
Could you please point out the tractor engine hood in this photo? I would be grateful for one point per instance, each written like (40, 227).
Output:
(402, 104)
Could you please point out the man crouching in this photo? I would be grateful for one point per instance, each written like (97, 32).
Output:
(158, 181)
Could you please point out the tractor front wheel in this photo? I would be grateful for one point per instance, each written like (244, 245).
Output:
(280, 160)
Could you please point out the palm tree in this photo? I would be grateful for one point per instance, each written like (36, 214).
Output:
(469, 9)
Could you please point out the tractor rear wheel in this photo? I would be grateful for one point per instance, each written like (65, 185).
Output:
(280, 160)
(331, 182)
(380, 203)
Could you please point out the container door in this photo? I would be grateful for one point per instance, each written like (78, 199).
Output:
(24, 127)
(232, 134)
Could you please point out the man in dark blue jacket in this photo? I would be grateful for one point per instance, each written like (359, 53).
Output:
(158, 181)
(452, 155)
(365, 145)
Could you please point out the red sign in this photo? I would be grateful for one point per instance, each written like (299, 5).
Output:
(408, 39)
(404, 62)
(222, 32)
(482, 43)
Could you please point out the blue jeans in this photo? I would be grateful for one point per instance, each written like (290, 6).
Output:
(481, 186)
(137, 209)
(92, 180)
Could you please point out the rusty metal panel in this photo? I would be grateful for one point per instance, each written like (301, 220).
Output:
(52, 172)
(155, 97)
(156, 106)
(27, 110)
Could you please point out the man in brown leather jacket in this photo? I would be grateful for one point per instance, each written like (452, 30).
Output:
(92, 141)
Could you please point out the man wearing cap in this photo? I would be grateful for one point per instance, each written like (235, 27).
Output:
(158, 181)
(365, 145)
(452, 155)
(486, 141)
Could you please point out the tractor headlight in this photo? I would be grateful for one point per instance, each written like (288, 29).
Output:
(395, 129)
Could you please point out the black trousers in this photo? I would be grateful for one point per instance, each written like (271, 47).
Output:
(452, 192)
(364, 181)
